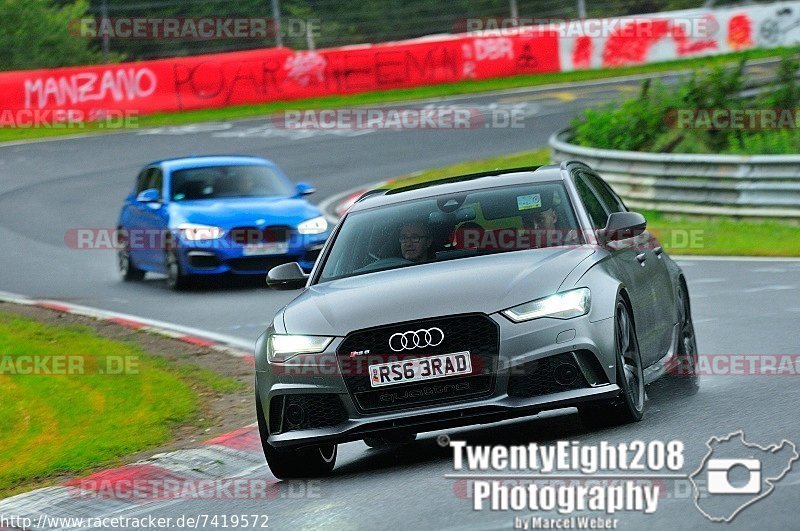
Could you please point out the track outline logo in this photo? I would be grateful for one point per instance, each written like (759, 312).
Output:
(708, 461)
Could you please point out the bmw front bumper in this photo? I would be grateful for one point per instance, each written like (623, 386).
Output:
(214, 257)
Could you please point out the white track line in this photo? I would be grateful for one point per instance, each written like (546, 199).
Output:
(170, 328)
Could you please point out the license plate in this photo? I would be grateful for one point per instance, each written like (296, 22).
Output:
(414, 370)
(252, 249)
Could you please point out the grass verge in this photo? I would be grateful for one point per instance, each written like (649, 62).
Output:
(680, 235)
(104, 400)
(393, 95)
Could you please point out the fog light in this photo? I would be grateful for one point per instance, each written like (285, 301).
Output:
(565, 374)
(294, 414)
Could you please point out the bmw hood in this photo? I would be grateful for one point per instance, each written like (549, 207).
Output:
(485, 284)
(245, 211)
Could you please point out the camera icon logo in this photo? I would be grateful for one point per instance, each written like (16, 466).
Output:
(719, 472)
(735, 474)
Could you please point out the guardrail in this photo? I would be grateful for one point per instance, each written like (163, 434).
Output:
(717, 185)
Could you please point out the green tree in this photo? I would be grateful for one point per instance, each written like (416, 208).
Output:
(37, 34)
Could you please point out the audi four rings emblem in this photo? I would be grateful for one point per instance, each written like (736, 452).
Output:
(432, 337)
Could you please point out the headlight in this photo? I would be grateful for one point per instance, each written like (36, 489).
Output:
(283, 347)
(564, 305)
(194, 231)
(313, 226)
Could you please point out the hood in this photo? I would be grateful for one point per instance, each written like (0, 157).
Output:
(485, 284)
(243, 211)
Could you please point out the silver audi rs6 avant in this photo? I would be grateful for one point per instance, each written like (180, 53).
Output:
(470, 300)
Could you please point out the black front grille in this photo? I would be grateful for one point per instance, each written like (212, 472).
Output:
(544, 376)
(475, 333)
(305, 412)
(250, 235)
(203, 261)
(257, 263)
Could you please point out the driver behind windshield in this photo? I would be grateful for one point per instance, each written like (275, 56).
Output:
(415, 242)
(246, 185)
(542, 216)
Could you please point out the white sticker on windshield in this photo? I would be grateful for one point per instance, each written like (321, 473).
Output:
(526, 202)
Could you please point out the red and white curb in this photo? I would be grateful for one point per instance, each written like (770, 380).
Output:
(233, 346)
(334, 207)
(213, 471)
(228, 467)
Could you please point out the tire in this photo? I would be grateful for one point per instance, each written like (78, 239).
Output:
(293, 463)
(629, 405)
(176, 280)
(685, 376)
(125, 265)
(391, 441)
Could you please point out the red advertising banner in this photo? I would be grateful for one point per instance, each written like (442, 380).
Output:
(265, 75)
(275, 74)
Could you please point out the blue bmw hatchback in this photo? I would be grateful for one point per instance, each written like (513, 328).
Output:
(193, 216)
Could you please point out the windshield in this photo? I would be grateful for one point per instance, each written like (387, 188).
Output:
(216, 182)
(446, 227)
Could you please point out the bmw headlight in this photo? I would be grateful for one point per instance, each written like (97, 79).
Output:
(316, 225)
(195, 231)
(283, 347)
(564, 305)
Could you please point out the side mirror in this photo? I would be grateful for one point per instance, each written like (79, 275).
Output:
(622, 225)
(151, 195)
(304, 189)
(287, 276)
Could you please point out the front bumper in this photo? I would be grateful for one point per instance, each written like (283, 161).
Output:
(522, 346)
(215, 257)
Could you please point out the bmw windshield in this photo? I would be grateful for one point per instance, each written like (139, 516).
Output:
(446, 227)
(217, 182)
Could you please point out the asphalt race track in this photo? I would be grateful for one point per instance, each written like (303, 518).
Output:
(740, 307)
(48, 188)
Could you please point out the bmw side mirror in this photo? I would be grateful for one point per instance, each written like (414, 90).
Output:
(622, 225)
(151, 195)
(287, 276)
(304, 189)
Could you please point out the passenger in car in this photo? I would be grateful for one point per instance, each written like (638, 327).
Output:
(415, 242)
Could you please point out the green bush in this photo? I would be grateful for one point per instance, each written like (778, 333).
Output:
(36, 34)
(646, 123)
(780, 142)
(785, 93)
(632, 125)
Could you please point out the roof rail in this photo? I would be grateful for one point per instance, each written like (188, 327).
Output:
(566, 163)
(460, 178)
(370, 193)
